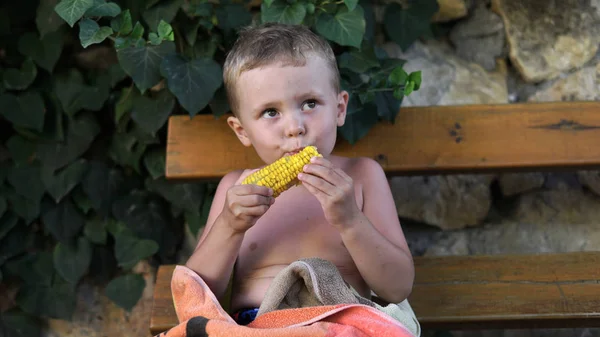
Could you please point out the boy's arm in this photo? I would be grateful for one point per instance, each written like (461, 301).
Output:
(375, 239)
(218, 247)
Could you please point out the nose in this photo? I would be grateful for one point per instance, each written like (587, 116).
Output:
(295, 126)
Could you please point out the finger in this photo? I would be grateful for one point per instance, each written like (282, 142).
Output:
(318, 183)
(257, 210)
(255, 200)
(327, 173)
(251, 189)
(313, 189)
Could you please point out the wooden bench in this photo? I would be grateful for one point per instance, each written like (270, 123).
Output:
(451, 292)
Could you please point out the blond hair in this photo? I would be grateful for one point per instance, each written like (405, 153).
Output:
(274, 43)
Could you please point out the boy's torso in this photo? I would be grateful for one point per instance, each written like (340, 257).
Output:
(293, 228)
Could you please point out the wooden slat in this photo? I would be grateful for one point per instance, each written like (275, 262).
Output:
(479, 292)
(425, 140)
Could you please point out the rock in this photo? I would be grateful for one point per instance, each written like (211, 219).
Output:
(516, 183)
(591, 180)
(480, 38)
(448, 202)
(448, 79)
(448, 245)
(548, 37)
(97, 316)
(451, 10)
(582, 85)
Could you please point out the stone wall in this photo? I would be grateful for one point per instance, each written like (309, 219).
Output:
(505, 51)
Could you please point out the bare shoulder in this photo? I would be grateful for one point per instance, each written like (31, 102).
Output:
(361, 169)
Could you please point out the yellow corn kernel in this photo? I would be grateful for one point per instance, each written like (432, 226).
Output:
(283, 173)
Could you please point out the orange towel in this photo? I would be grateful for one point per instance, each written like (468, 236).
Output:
(200, 314)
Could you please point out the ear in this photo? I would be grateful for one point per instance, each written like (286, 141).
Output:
(236, 125)
(342, 106)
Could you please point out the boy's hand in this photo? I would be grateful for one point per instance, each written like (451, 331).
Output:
(245, 204)
(333, 188)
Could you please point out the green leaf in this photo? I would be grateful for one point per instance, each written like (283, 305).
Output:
(20, 79)
(410, 86)
(73, 10)
(27, 209)
(164, 10)
(7, 223)
(193, 82)
(60, 184)
(21, 150)
(387, 105)
(188, 196)
(126, 290)
(165, 31)
(415, 77)
(351, 4)
(359, 61)
(15, 242)
(219, 104)
(44, 52)
(75, 95)
(26, 110)
(127, 150)
(3, 207)
(283, 12)
(143, 63)
(46, 19)
(155, 161)
(152, 113)
(103, 8)
(82, 130)
(95, 231)
(125, 103)
(346, 28)
(27, 181)
(397, 77)
(154, 39)
(62, 220)
(129, 250)
(103, 185)
(20, 324)
(122, 23)
(71, 262)
(81, 200)
(405, 26)
(233, 16)
(358, 122)
(91, 33)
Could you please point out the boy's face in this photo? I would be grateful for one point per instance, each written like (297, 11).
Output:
(282, 109)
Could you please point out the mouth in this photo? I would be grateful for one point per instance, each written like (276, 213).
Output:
(293, 152)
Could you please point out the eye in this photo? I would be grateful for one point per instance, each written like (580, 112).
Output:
(310, 104)
(269, 113)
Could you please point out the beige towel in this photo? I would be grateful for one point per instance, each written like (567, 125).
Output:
(314, 282)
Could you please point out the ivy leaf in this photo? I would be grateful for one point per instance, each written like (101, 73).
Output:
(22, 150)
(46, 19)
(16, 241)
(7, 223)
(358, 122)
(127, 150)
(60, 184)
(20, 79)
(193, 82)
(27, 181)
(3, 207)
(233, 16)
(44, 292)
(95, 231)
(143, 63)
(26, 110)
(397, 77)
(415, 77)
(73, 10)
(44, 52)
(103, 8)
(19, 324)
(351, 4)
(62, 220)
(283, 12)
(71, 262)
(126, 290)
(129, 250)
(346, 28)
(165, 31)
(387, 105)
(164, 10)
(81, 132)
(91, 33)
(359, 61)
(219, 104)
(188, 196)
(81, 200)
(75, 95)
(152, 113)
(27, 209)
(405, 26)
(155, 161)
(122, 23)
(103, 185)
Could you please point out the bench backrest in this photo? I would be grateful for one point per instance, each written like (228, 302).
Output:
(423, 140)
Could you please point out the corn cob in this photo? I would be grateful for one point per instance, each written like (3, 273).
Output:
(283, 173)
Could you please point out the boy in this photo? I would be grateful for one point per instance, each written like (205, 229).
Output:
(283, 87)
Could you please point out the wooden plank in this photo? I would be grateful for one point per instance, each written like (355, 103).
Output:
(424, 140)
(475, 292)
